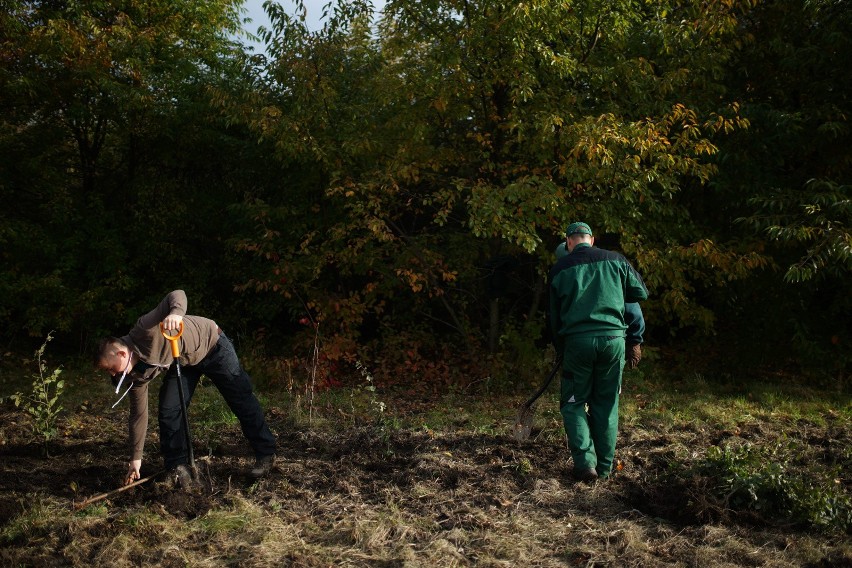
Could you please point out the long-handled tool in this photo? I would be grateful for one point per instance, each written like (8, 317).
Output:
(526, 412)
(96, 498)
(173, 339)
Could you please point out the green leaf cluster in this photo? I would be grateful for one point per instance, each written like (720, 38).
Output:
(757, 479)
(457, 133)
(107, 131)
(818, 219)
(42, 402)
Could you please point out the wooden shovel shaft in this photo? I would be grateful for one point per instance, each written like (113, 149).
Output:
(524, 418)
(89, 501)
(543, 387)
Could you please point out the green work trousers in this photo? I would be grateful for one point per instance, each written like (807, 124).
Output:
(591, 375)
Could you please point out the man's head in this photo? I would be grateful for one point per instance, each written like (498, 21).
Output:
(112, 356)
(577, 233)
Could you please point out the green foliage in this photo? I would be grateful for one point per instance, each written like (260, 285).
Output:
(786, 182)
(42, 402)
(376, 405)
(518, 343)
(454, 135)
(818, 218)
(103, 130)
(381, 419)
(759, 480)
(369, 176)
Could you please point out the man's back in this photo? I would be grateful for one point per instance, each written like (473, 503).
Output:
(588, 290)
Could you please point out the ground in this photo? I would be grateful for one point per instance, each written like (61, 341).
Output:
(356, 492)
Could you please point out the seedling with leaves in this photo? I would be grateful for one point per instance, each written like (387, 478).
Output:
(42, 402)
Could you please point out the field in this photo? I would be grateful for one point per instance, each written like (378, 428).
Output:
(712, 474)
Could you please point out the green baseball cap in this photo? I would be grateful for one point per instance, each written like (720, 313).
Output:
(575, 228)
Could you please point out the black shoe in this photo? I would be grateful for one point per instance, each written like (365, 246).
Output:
(263, 465)
(588, 475)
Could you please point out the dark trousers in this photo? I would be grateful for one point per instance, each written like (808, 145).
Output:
(223, 368)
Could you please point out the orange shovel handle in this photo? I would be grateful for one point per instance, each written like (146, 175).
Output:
(173, 339)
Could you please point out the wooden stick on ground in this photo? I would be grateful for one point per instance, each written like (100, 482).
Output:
(89, 501)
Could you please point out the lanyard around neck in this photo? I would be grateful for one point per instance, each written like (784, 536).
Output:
(121, 380)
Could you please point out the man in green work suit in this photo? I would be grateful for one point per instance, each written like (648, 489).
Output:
(590, 292)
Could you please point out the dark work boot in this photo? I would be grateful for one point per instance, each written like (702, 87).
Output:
(588, 475)
(262, 466)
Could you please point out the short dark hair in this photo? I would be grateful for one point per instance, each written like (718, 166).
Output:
(106, 348)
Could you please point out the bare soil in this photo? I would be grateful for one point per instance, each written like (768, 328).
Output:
(371, 495)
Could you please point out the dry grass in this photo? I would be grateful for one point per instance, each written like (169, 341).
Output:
(463, 493)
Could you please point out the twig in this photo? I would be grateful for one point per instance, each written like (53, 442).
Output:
(89, 501)
(314, 373)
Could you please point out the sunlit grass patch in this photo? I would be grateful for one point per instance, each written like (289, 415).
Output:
(40, 516)
(656, 400)
(144, 521)
(95, 510)
(229, 520)
(386, 529)
(125, 549)
(210, 416)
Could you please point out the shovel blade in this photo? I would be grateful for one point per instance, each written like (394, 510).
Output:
(188, 478)
(523, 422)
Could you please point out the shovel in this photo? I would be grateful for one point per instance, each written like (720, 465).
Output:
(173, 339)
(526, 412)
(87, 502)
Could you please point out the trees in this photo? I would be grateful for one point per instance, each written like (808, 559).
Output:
(787, 180)
(407, 182)
(461, 133)
(794, 82)
(98, 96)
(449, 149)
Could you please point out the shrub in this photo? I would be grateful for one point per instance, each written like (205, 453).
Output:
(757, 479)
(42, 402)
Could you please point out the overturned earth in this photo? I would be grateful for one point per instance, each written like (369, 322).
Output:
(369, 494)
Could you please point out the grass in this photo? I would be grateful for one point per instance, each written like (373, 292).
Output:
(727, 403)
(718, 472)
(40, 512)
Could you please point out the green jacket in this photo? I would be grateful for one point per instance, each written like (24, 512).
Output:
(588, 292)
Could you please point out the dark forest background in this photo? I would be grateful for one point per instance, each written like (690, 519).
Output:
(390, 194)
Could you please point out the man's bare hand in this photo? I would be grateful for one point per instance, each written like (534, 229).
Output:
(133, 467)
(172, 322)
